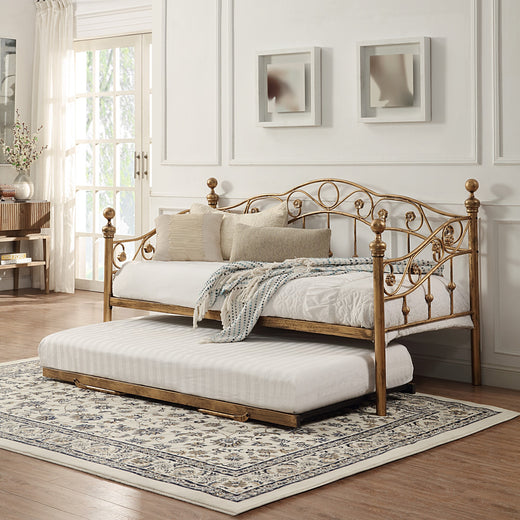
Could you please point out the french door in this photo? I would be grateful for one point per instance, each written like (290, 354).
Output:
(113, 145)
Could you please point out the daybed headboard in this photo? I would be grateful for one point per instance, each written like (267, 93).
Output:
(416, 223)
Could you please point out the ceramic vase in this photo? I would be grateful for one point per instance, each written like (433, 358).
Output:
(23, 186)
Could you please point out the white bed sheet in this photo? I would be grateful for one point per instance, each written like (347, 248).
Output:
(282, 370)
(345, 299)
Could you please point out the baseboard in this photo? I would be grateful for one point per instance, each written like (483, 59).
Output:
(454, 370)
(501, 377)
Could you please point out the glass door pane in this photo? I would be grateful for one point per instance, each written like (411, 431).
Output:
(112, 80)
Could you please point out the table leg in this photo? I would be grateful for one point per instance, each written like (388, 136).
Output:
(16, 270)
(46, 266)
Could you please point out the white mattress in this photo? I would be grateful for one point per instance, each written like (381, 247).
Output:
(278, 370)
(345, 299)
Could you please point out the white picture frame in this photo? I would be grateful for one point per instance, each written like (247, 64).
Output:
(298, 69)
(394, 80)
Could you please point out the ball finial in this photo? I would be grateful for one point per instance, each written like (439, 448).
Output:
(109, 213)
(377, 226)
(472, 185)
(212, 183)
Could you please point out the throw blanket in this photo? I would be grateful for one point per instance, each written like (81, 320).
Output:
(248, 286)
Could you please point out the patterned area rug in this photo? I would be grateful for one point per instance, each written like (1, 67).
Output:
(217, 463)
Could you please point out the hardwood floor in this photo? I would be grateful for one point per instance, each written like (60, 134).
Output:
(475, 478)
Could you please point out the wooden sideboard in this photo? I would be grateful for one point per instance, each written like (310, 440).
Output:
(21, 222)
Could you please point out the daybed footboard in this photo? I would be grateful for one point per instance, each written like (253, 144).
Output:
(430, 249)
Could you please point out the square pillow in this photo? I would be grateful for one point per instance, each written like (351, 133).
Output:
(188, 237)
(274, 244)
(275, 216)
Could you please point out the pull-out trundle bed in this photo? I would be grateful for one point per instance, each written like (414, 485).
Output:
(422, 276)
(282, 377)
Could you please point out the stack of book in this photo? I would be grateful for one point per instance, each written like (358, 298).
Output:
(6, 192)
(14, 258)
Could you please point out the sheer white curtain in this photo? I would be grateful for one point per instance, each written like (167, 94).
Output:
(53, 107)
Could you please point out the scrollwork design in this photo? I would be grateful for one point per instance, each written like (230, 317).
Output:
(383, 214)
(144, 249)
(249, 204)
(437, 249)
(298, 205)
(448, 235)
(335, 201)
(414, 273)
(390, 279)
(118, 255)
(411, 218)
(365, 203)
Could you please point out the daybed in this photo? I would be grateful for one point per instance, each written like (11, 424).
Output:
(424, 276)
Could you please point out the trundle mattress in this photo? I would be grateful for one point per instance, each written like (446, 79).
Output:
(277, 370)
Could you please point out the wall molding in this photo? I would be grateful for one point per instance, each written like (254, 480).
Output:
(455, 370)
(498, 156)
(217, 159)
(498, 340)
(473, 160)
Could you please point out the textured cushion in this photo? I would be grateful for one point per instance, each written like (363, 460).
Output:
(275, 216)
(273, 244)
(188, 237)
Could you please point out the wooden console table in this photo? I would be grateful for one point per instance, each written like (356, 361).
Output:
(22, 222)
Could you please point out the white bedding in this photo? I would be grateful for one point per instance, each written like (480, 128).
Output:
(282, 370)
(344, 299)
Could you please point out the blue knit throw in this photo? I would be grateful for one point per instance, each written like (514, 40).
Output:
(247, 287)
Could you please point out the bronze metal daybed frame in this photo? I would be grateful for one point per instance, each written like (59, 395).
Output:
(452, 237)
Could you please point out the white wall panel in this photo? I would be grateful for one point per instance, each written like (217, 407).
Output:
(191, 82)
(507, 288)
(336, 27)
(507, 81)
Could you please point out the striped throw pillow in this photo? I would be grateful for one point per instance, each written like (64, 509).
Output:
(188, 237)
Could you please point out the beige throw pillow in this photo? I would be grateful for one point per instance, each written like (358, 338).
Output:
(188, 237)
(275, 216)
(271, 244)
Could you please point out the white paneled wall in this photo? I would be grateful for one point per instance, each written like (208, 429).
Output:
(191, 93)
(341, 139)
(205, 125)
(506, 18)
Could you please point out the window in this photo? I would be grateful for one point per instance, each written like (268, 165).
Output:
(113, 145)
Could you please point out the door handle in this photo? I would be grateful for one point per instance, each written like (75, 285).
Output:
(145, 164)
(137, 158)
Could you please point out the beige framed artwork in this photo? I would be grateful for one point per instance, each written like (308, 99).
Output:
(289, 87)
(394, 80)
